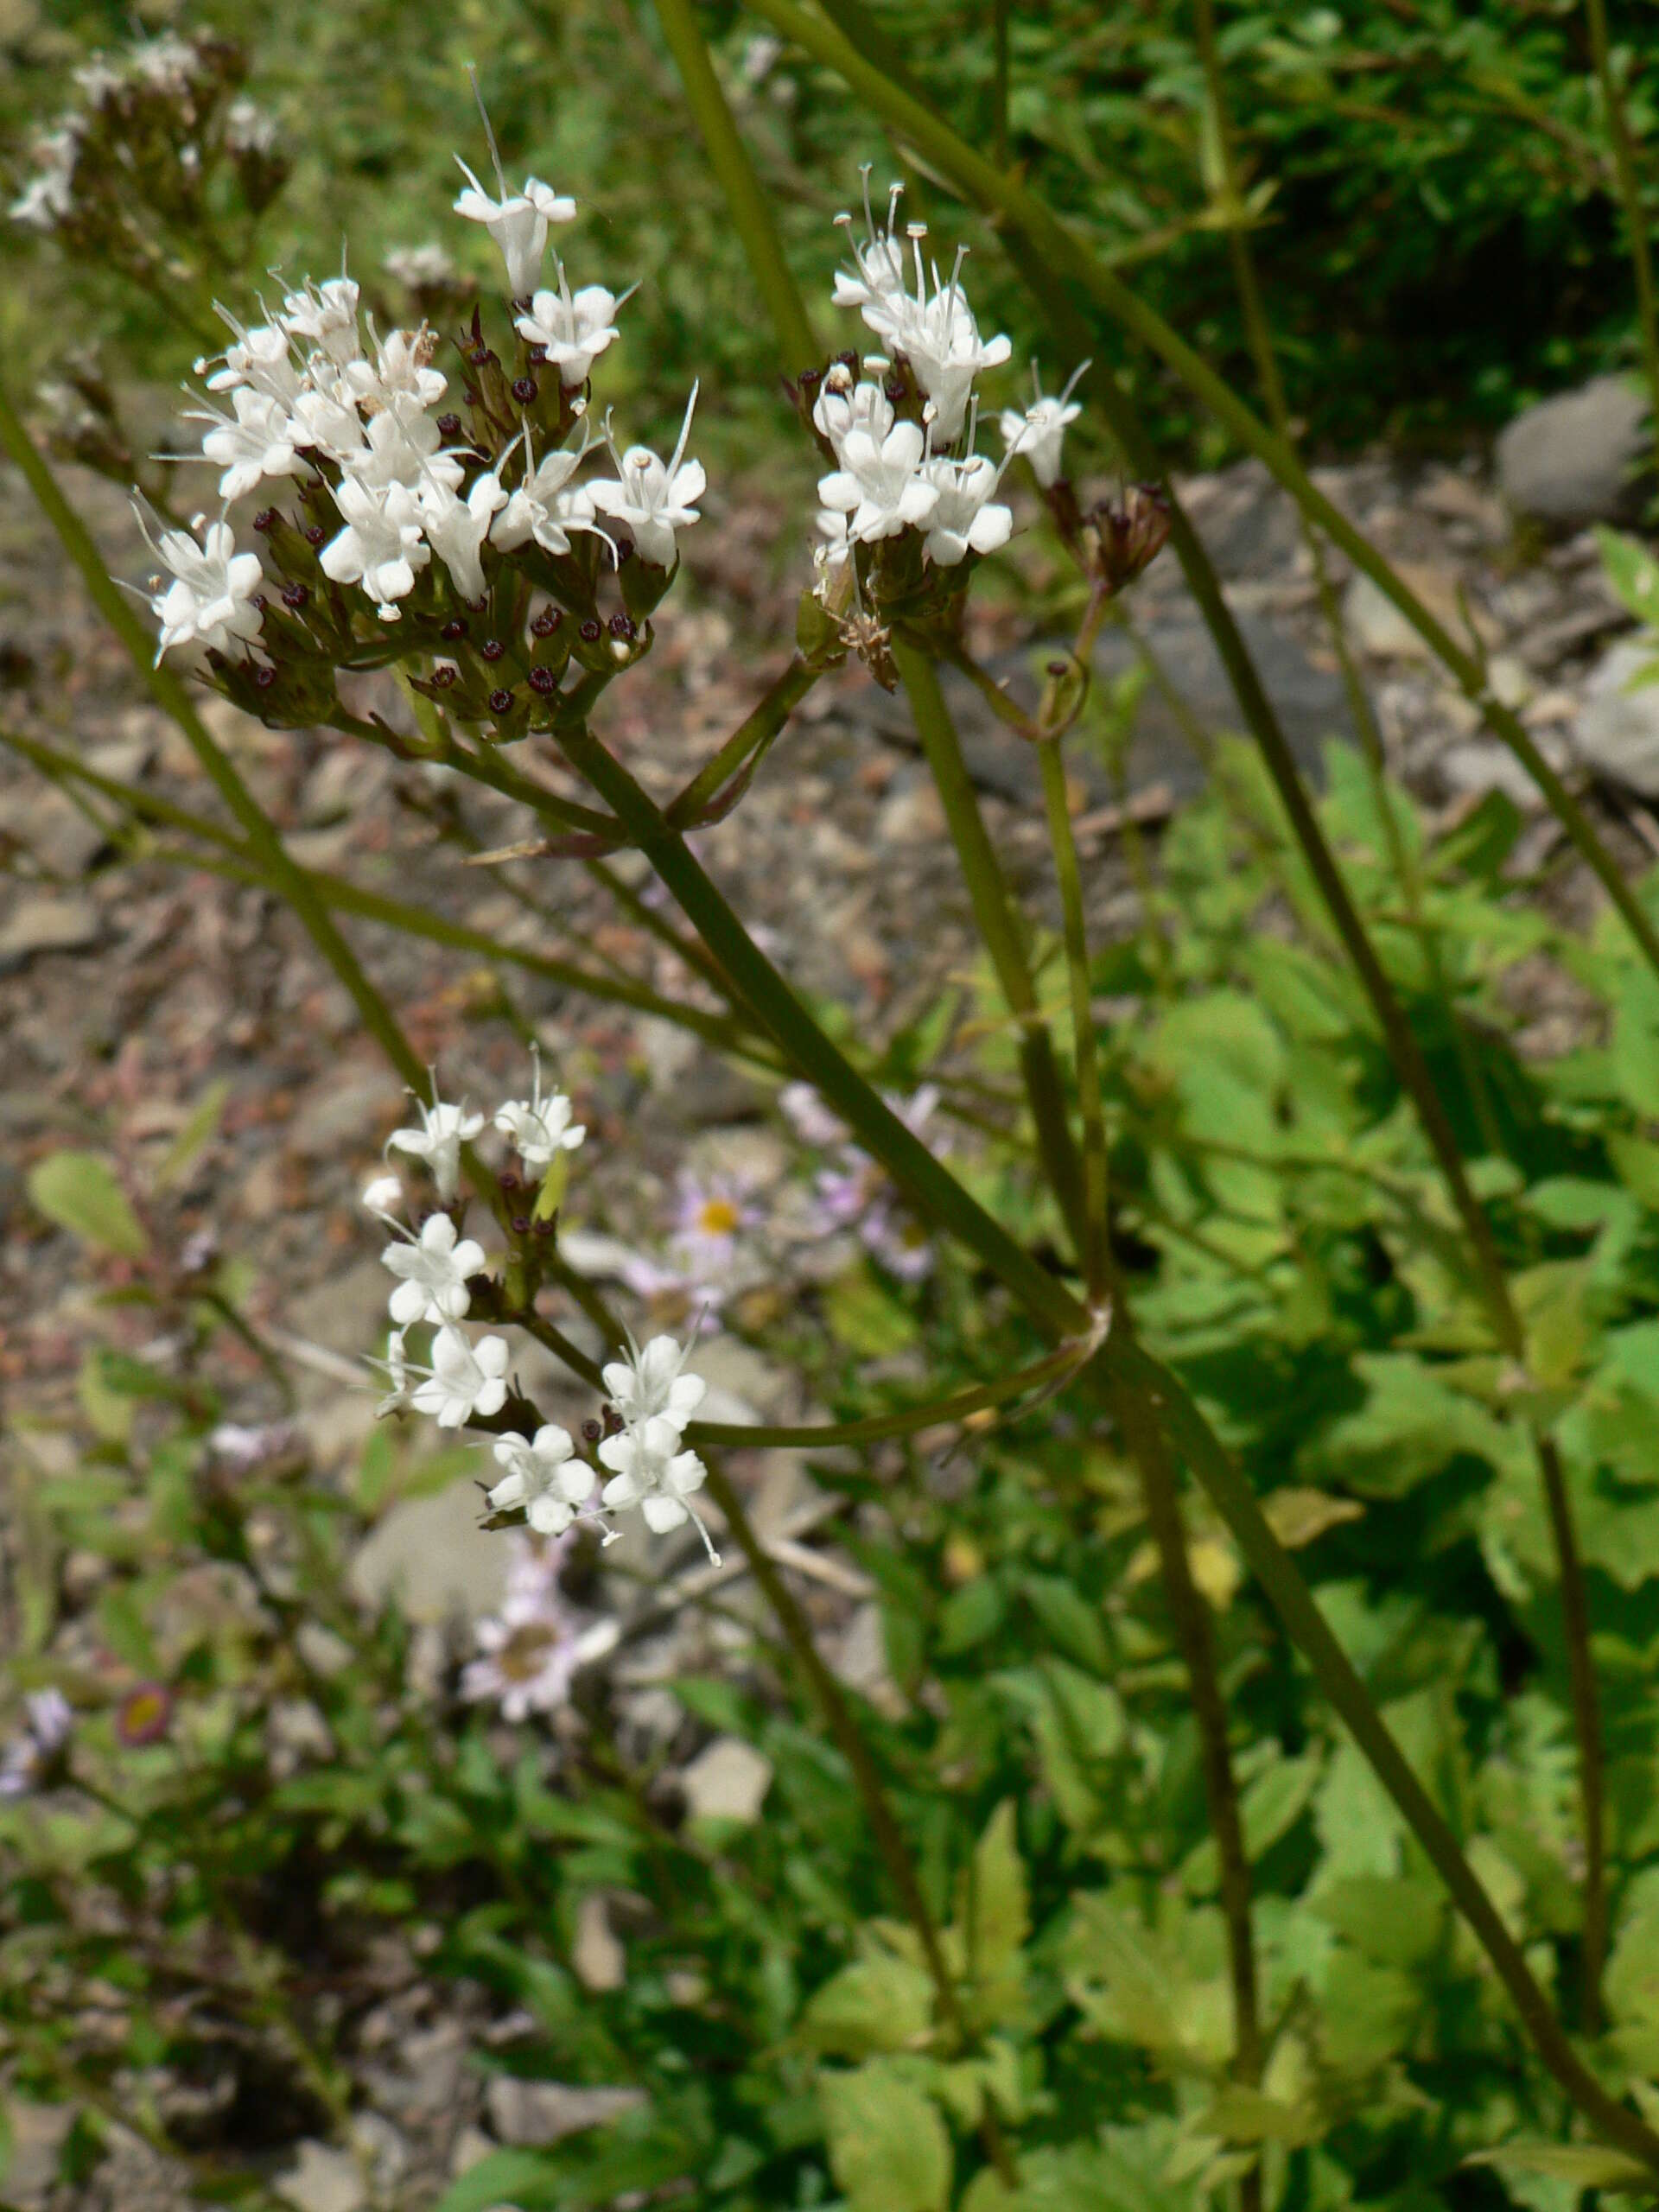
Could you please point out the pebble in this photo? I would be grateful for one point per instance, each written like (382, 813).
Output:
(46, 922)
(1570, 459)
(533, 2114)
(434, 1555)
(321, 2179)
(728, 1781)
(1617, 733)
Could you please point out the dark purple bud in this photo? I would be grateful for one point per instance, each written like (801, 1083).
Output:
(810, 379)
(507, 1180)
(523, 390)
(443, 677)
(614, 1423)
(479, 356)
(500, 703)
(592, 1431)
(592, 630)
(895, 388)
(453, 629)
(546, 1227)
(624, 626)
(623, 551)
(521, 1225)
(547, 621)
(295, 596)
(257, 599)
(451, 426)
(1056, 667)
(545, 680)
(848, 361)
(493, 649)
(265, 677)
(266, 520)
(315, 534)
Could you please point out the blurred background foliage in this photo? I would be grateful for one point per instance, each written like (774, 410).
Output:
(1438, 245)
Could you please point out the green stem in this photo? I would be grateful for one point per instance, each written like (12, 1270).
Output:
(999, 928)
(1630, 194)
(1069, 282)
(758, 730)
(746, 202)
(1096, 1253)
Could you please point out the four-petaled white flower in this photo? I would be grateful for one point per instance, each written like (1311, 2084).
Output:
(941, 341)
(1038, 432)
(651, 1472)
(262, 358)
(209, 603)
(966, 520)
(400, 446)
(543, 1476)
(650, 1384)
(256, 441)
(432, 1270)
(573, 331)
(545, 504)
(654, 499)
(325, 316)
(444, 1130)
(878, 484)
(456, 528)
(843, 406)
(466, 1381)
(401, 371)
(541, 1128)
(381, 546)
(322, 418)
(517, 222)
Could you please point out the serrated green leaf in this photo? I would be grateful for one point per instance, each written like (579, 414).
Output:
(878, 2004)
(888, 2148)
(1587, 2165)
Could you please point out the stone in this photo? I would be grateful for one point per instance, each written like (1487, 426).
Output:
(349, 1116)
(597, 1954)
(1247, 525)
(1481, 764)
(531, 2115)
(48, 824)
(1310, 700)
(472, 2147)
(37, 2134)
(433, 1557)
(1578, 457)
(1617, 733)
(45, 922)
(321, 2179)
(728, 1781)
(1376, 625)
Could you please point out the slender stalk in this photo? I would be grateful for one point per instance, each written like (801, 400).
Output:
(1196, 1641)
(1075, 289)
(1630, 194)
(1506, 1320)
(1096, 1253)
(759, 729)
(728, 157)
(999, 927)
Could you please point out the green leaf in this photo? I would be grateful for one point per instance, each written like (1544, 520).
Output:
(865, 1317)
(197, 1131)
(999, 1917)
(877, 2003)
(528, 2178)
(1632, 572)
(1069, 1620)
(1587, 2165)
(888, 2148)
(79, 1192)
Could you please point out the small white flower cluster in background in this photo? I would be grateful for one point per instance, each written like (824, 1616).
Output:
(893, 472)
(852, 1192)
(48, 1721)
(316, 392)
(463, 1381)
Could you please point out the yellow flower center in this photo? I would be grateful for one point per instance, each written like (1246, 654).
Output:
(717, 1217)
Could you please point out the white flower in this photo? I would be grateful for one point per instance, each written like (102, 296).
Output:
(165, 62)
(96, 80)
(49, 197)
(401, 374)
(465, 1381)
(395, 1367)
(400, 446)
(653, 499)
(250, 128)
(380, 1196)
(381, 546)
(531, 1651)
(432, 1270)
(965, 520)
(878, 483)
(443, 1131)
(456, 528)
(545, 505)
(543, 1476)
(878, 281)
(517, 222)
(573, 332)
(651, 1385)
(257, 442)
(651, 1473)
(324, 316)
(421, 266)
(261, 357)
(844, 405)
(209, 602)
(541, 1128)
(1040, 431)
(942, 343)
(324, 419)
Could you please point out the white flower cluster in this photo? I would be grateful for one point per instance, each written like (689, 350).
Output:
(315, 391)
(893, 472)
(651, 1397)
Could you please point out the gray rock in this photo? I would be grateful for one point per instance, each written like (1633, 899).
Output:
(1247, 525)
(472, 2147)
(532, 2114)
(47, 924)
(321, 2179)
(1617, 733)
(49, 825)
(597, 1954)
(432, 1555)
(728, 1781)
(1572, 459)
(37, 2135)
(1310, 701)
